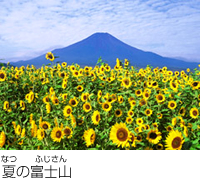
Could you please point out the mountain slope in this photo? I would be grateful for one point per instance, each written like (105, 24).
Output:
(106, 46)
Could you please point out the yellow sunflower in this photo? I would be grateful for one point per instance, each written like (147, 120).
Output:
(126, 82)
(120, 135)
(96, 117)
(106, 106)
(130, 113)
(87, 107)
(6, 105)
(174, 140)
(129, 120)
(2, 139)
(45, 125)
(79, 88)
(138, 92)
(154, 136)
(48, 107)
(40, 134)
(68, 132)
(169, 128)
(133, 140)
(84, 96)
(50, 56)
(142, 102)
(67, 111)
(55, 100)
(160, 98)
(148, 112)
(73, 102)
(139, 121)
(57, 134)
(22, 105)
(89, 137)
(118, 112)
(182, 111)
(159, 146)
(194, 113)
(2, 76)
(31, 97)
(172, 104)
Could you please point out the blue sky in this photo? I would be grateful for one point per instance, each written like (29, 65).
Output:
(29, 28)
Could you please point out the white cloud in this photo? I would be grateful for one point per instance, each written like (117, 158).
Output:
(162, 26)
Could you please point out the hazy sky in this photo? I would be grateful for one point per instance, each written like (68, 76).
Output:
(29, 28)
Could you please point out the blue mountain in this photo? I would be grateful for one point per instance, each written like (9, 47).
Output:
(106, 46)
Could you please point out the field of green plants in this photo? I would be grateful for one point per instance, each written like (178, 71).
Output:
(62, 106)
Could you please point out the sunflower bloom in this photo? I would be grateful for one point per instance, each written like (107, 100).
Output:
(2, 76)
(89, 137)
(174, 140)
(120, 135)
(154, 136)
(194, 113)
(57, 134)
(40, 134)
(50, 56)
(67, 111)
(2, 139)
(68, 132)
(96, 117)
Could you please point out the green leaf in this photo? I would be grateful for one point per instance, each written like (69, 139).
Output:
(187, 145)
(92, 149)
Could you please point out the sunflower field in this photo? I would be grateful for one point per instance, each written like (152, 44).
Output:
(62, 106)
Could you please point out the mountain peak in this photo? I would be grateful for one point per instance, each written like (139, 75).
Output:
(108, 47)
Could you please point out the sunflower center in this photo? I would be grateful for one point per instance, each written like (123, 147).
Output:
(194, 113)
(126, 82)
(73, 102)
(172, 104)
(106, 106)
(50, 56)
(195, 84)
(153, 135)
(148, 112)
(58, 134)
(45, 126)
(87, 106)
(56, 101)
(118, 112)
(143, 102)
(176, 142)
(139, 138)
(122, 134)
(174, 85)
(160, 97)
(68, 111)
(146, 95)
(92, 137)
(181, 111)
(159, 147)
(84, 97)
(130, 113)
(154, 84)
(138, 92)
(169, 128)
(62, 74)
(67, 131)
(97, 118)
(2, 76)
